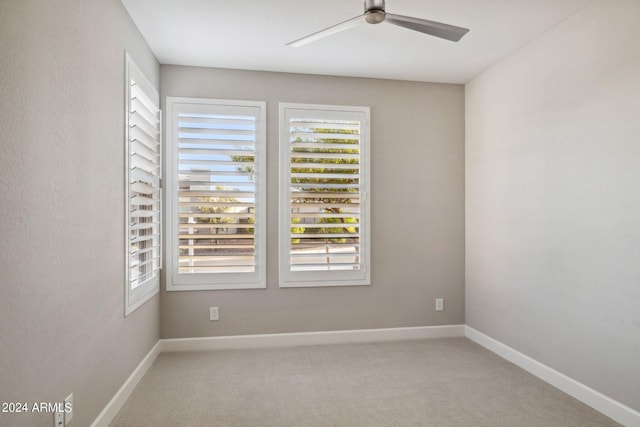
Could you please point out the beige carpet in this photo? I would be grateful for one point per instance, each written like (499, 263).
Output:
(438, 382)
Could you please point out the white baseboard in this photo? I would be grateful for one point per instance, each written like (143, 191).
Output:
(115, 404)
(310, 338)
(611, 408)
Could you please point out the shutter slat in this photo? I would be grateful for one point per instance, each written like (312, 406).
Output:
(143, 201)
(144, 176)
(150, 249)
(313, 236)
(314, 137)
(142, 188)
(297, 124)
(326, 266)
(216, 133)
(219, 152)
(328, 156)
(208, 138)
(138, 147)
(217, 215)
(340, 225)
(145, 238)
(220, 122)
(217, 204)
(210, 225)
(216, 193)
(151, 118)
(321, 175)
(300, 215)
(300, 205)
(212, 142)
(301, 248)
(218, 184)
(222, 269)
(249, 153)
(139, 162)
(328, 199)
(137, 120)
(143, 213)
(138, 266)
(144, 225)
(137, 134)
(138, 94)
(210, 172)
(186, 162)
(305, 185)
(214, 236)
(350, 258)
(323, 145)
(217, 258)
(225, 246)
(325, 166)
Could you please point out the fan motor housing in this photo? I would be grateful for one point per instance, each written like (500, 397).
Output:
(374, 11)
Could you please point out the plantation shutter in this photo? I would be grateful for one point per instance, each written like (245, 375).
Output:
(143, 188)
(325, 195)
(217, 192)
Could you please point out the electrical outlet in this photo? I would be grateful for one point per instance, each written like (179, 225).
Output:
(213, 313)
(68, 409)
(439, 304)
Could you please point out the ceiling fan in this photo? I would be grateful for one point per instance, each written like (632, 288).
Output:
(374, 13)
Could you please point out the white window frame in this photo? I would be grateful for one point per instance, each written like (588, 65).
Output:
(176, 281)
(288, 278)
(142, 110)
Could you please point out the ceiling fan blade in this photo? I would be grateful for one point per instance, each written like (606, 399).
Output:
(437, 29)
(328, 31)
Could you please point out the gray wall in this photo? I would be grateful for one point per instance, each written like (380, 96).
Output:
(62, 325)
(553, 199)
(417, 175)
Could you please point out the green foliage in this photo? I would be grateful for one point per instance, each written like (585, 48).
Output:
(216, 210)
(339, 230)
(327, 195)
(252, 220)
(300, 168)
(296, 230)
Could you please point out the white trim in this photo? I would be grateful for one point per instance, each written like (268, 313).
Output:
(115, 404)
(611, 408)
(310, 338)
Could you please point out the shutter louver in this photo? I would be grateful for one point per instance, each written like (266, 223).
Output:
(143, 187)
(325, 193)
(217, 192)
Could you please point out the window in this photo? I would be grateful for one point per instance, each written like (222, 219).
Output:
(215, 194)
(143, 200)
(324, 184)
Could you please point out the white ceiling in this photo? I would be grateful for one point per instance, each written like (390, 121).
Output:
(251, 35)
